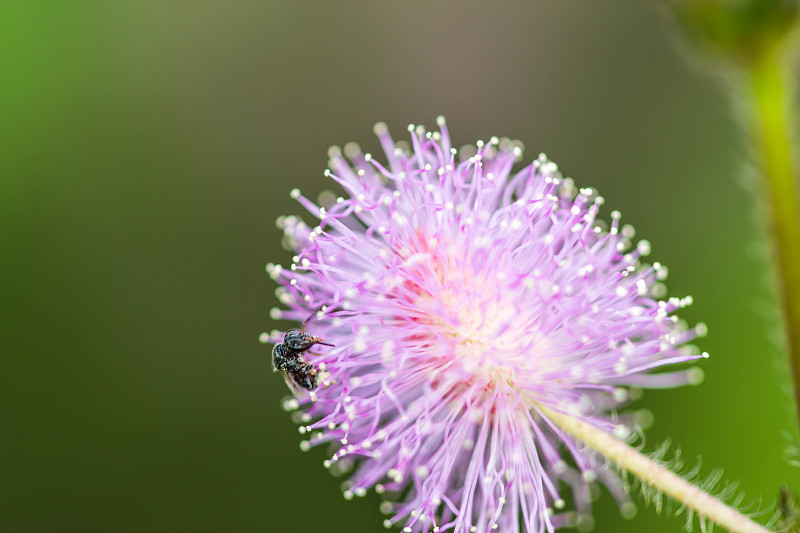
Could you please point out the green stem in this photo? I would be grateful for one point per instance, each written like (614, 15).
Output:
(771, 122)
(653, 474)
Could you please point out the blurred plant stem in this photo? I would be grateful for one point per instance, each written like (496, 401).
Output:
(755, 37)
(771, 124)
(655, 476)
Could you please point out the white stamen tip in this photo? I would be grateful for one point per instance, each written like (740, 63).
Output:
(380, 128)
(696, 376)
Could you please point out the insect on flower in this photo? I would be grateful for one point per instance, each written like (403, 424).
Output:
(287, 357)
(487, 297)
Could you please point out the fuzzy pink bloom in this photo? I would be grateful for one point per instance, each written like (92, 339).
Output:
(462, 296)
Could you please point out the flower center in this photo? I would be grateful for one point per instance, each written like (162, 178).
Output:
(470, 319)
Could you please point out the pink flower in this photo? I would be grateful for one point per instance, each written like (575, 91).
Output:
(461, 297)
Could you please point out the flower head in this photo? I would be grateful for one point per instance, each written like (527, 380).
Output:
(463, 298)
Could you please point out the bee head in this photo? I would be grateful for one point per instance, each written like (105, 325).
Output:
(298, 341)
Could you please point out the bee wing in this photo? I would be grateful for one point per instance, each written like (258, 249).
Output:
(296, 389)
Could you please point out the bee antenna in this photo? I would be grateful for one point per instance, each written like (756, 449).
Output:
(312, 315)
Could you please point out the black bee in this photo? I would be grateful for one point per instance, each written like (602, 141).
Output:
(286, 357)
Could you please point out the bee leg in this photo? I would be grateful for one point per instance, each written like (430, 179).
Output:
(309, 376)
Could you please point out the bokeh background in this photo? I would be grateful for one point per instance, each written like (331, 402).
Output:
(146, 149)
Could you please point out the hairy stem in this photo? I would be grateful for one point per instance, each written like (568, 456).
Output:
(655, 475)
(771, 123)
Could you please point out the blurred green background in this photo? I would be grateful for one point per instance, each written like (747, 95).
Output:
(146, 149)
